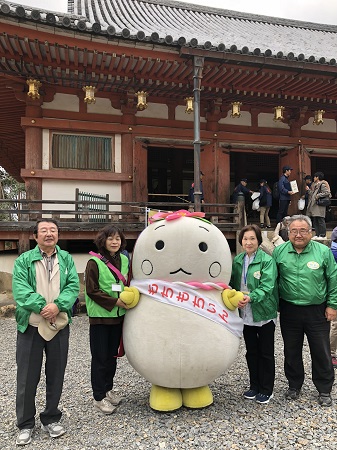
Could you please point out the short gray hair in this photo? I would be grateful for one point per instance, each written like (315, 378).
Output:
(301, 217)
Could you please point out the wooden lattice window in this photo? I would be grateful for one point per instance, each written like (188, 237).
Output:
(82, 152)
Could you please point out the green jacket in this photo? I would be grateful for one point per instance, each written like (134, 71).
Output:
(261, 282)
(309, 277)
(106, 280)
(24, 286)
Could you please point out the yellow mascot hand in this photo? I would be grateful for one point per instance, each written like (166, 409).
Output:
(130, 296)
(231, 298)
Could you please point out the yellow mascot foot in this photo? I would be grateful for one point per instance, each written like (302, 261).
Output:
(197, 397)
(165, 399)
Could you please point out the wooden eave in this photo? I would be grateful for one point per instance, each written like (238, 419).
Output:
(117, 68)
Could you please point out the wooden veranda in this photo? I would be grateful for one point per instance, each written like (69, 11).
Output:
(78, 219)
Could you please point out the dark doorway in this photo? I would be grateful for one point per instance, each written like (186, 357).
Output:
(170, 173)
(254, 167)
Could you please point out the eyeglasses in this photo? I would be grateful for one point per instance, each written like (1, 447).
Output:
(302, 232)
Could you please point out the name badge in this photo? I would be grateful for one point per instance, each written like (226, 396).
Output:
(116, 288)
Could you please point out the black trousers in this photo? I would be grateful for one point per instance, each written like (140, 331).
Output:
(29, 356)
(260, 356)
(319, 224)
(282, 210)
(104, 343)
(297, 321)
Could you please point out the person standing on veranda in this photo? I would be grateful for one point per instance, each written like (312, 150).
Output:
(285, 193)
(266, 201)
(319, 189)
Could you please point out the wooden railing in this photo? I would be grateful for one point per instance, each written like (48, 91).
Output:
(19, 216)
(30, 210)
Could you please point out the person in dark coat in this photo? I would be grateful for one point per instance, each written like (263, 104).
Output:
(266, 200)
(241, 188)
(285, 193)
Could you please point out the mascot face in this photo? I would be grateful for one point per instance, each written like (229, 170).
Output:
(184, 249)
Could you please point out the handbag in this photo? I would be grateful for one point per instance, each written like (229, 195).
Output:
(301, 204)
(323, 201)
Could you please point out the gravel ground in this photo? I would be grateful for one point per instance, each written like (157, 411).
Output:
(230, 423)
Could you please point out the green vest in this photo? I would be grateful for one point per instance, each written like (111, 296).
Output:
(105, 281)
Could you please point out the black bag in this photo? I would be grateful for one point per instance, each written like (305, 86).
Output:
(323, 201)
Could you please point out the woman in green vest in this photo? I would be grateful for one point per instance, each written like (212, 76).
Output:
(105, 277)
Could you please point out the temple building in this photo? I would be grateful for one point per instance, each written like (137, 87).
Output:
(103, 99)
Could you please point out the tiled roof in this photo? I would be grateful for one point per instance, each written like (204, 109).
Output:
(176, 23)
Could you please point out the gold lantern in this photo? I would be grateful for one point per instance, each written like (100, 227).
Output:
(189, 105)
(33, 86)
(89, 94)
(141, 100)
(278, 113)
(236, 109)
(318, 119)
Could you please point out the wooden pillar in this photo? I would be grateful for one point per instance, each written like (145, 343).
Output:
(222, 175)
(140, 192)
(23, 245)
(127, 166)
(33, 155)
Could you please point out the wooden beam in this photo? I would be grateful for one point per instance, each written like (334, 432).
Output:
(65, 174)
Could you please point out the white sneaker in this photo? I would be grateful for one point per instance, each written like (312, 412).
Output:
(113, 398)
(104, 406)
(54, 429)
(24, 437)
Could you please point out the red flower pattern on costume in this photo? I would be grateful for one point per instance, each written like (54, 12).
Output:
(173, 215)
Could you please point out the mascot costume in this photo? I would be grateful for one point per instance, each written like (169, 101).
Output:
(185, 330)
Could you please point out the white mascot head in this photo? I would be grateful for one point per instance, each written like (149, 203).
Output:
(180, 336)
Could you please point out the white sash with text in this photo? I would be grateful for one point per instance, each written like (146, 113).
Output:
(193, 299)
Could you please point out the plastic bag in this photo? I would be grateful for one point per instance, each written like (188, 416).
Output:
(301, 204)
(256, 204)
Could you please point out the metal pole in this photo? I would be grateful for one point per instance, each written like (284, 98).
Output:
(198, 64)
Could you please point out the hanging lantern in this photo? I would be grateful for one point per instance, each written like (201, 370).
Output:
(141, 100)
(89, 94)
(278, 113)
(318, 119)
(189, 105)
(33, 86)
(236, 112)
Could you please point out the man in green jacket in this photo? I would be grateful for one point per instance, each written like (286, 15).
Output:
(45, 287)
(308, 302)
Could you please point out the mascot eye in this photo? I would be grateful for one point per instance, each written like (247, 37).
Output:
(203, 246)
(160, 245)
